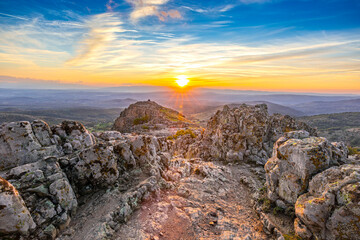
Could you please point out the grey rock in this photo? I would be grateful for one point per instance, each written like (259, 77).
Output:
(15, 218)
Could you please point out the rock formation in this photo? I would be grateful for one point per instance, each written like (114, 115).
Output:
(67, 183)
(246, 133)
(304, 172)
(148, 115)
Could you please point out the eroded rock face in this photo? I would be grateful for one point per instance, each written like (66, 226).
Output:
(244, 133)
(296, 158)
(15, 218)
(93, 168)
(330, 210)
(47, 193)
(73, 136)
(147, 115)
(22, 142)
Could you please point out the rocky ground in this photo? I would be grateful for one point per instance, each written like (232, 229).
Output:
(247, 175)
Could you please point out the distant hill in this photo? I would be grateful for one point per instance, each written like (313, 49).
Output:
(321, 107)
(337, 126)
(272, 108)
(93, 118)
(145, 115)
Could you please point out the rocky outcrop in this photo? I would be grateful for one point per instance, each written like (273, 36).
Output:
(148, 115)
(93, 168)
(246, 133)
(73, 136)
(47, 193)
(25, 142)
(330, 210)
(14, 216)
(304, 172)
(296, 158)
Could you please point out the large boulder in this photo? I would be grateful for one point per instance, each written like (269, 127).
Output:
(47, 193)
(15, 218)
(246, 133)
(73, 136)
(146, 115)
(331, 210)
(297, 157)
(22, 143)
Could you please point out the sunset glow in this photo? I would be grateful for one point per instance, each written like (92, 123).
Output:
(307, 46)
(182, 80)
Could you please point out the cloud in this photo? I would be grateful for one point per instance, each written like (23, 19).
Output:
(102, 30)
(110, 5)
(13, 16)
(145, 8)
(227, 8)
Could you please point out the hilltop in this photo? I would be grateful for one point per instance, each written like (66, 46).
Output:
(148, 115)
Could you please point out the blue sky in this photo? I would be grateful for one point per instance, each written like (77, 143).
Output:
(246, 43)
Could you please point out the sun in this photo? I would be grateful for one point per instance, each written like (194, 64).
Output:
(182, 80)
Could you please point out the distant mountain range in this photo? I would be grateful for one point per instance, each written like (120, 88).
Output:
(188, 103)
(321, 107)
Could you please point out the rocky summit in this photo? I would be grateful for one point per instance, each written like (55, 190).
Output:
(246, 175)
(148, 115)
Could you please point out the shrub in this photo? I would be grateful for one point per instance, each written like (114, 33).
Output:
(183, 132)
(353, 150)
(277, 210)
(265, 204)
(141, 120)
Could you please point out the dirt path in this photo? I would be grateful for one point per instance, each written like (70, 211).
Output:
(215, 205)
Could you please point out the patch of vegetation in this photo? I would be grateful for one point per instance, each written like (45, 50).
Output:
(353, 151)
(291, 237)
(182, 132)
(337, 126)
(101, 127)
(173, 115)
(266, 204)
(141, 120)
(145, 127)
(290, 211)
(263, 189)
(277, 210)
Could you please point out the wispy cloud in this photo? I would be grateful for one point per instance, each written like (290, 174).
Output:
(145, 8)
(13, 16)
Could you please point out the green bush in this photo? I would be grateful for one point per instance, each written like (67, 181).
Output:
(182, 132)
(141, 120)
(353, 150)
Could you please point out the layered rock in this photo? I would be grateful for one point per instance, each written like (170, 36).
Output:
(148, 115)
(245, 133)
(296, 158)
(25, 142)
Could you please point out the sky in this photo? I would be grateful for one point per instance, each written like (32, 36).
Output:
(269, 45)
